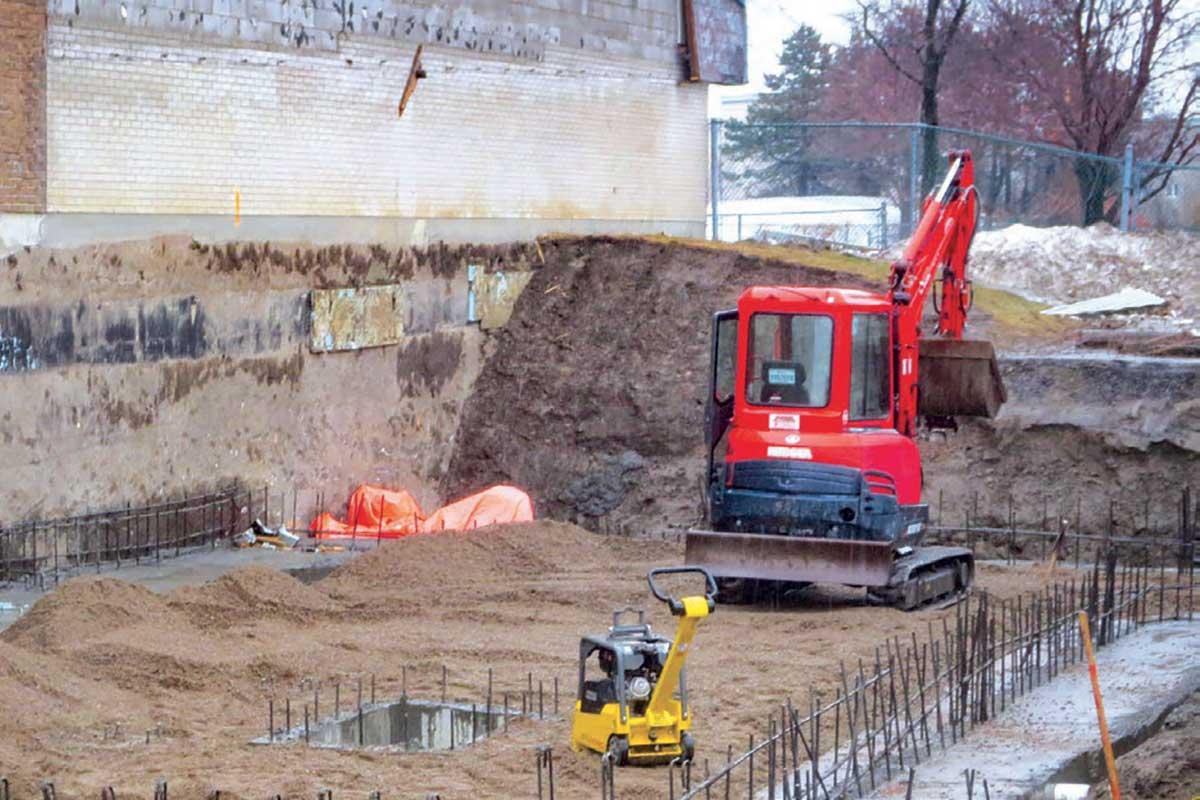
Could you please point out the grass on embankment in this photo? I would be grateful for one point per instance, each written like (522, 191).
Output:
(1009, 313)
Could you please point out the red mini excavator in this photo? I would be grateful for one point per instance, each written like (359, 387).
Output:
(814, 474)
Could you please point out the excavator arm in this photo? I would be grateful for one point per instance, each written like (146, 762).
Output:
(944, 376)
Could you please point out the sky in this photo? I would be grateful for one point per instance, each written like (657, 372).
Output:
(772, 21)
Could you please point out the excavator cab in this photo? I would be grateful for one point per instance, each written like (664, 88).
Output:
(813, 408)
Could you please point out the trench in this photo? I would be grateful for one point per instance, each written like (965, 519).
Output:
(1075, 779)
(406, 725)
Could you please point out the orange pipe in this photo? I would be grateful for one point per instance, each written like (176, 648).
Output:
(1113, 784)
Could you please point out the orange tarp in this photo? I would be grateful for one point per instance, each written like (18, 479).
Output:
(497, 504)
(390, 514)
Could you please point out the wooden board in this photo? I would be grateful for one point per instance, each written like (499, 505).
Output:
(354, 319)
(716, 37)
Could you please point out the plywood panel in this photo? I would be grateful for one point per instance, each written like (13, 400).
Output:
(354, 319)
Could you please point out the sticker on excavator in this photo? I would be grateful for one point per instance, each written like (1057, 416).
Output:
(959, 378)
(790, 558)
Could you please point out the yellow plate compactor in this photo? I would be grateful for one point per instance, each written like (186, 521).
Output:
(633, 701)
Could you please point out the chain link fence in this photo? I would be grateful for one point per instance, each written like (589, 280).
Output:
(860, 185)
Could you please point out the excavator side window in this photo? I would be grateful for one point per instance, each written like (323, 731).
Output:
(789, 360)
(870, 389)
(725, 357)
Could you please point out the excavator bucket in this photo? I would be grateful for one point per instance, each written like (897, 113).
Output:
(959, 378)
(790, 558)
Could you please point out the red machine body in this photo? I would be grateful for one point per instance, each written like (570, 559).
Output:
(824, 434)
(815, 397)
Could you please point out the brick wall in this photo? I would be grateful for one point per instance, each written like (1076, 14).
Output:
(578, 114)
(22, 106)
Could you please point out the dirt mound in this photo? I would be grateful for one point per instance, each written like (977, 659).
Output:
(465, 558)
(250, 592)
(1166, 766)
(87, 608)
(601, 374)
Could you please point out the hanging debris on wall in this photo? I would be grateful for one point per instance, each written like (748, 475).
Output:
(716, 41)
(415, 73)
(494, 295)
(354, 319)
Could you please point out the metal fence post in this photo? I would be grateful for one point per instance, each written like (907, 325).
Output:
(1127, 189)
(883, 231)
(914, 180)
(714, 158)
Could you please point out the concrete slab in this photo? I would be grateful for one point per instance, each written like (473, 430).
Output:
(1141, 676)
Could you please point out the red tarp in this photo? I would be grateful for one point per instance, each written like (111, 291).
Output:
(374, 511)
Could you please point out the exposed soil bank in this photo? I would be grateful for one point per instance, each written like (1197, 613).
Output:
(138, 370)
(1166, 766)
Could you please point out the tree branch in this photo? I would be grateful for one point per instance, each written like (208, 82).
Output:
(875, 40)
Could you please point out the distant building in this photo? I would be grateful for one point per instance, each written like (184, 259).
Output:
(730, 105)
(533, 115)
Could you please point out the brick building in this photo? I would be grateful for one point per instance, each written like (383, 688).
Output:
(150, 116)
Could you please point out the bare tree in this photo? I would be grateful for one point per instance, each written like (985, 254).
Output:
(918, 53)
(1105, 69)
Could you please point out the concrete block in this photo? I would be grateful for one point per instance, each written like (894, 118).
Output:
(155, 18)
(325, 41)
(272, 11)
(211, 24)
(327, 20)
(253, 32)
(227, 28)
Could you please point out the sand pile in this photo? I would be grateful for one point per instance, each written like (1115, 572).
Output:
(461, 559)
(251, 593)
(84, 609)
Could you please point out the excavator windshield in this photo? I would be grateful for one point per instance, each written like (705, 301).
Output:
(789, 360)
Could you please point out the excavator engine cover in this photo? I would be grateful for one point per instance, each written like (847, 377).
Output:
(959, 378)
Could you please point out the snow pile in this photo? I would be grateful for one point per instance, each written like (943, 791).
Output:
(1066, 264)
(1124, 300)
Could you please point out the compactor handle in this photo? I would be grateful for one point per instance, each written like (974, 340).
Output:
(676, 604)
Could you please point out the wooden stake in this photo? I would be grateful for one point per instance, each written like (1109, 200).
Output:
(1113, 784)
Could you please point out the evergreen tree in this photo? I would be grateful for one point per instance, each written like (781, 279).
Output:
(774, 159)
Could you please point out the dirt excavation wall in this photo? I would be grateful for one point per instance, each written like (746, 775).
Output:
(146, 369)
(594, 400)
(1076, 434)
(143, 370)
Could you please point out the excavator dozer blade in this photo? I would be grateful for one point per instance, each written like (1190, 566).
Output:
(959, 378)
(790, 558)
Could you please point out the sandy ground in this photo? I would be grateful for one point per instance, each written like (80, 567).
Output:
(95, 665)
